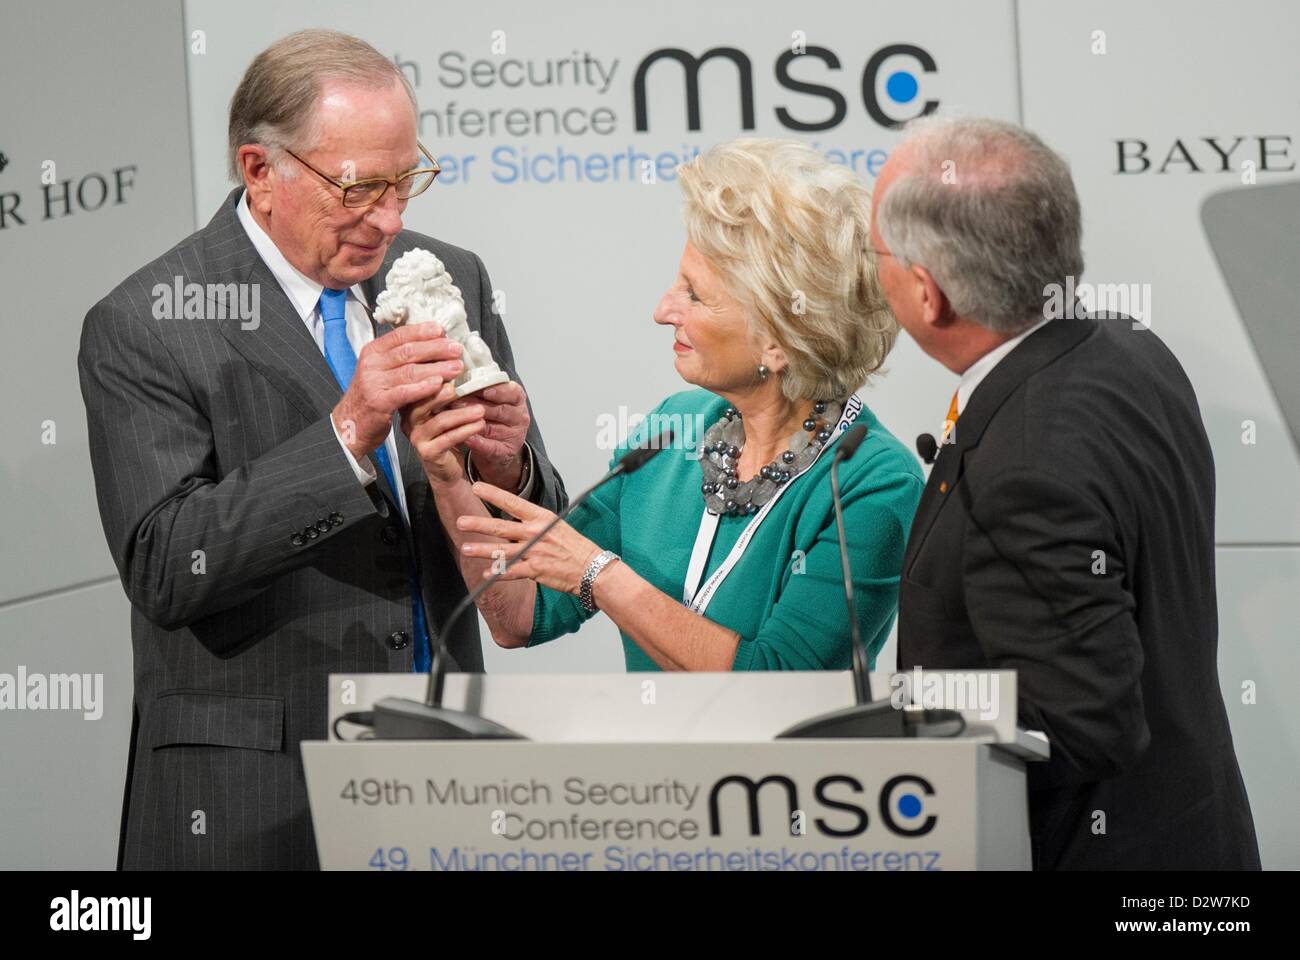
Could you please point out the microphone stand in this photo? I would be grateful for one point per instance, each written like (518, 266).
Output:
(867, 718)
(399, 718)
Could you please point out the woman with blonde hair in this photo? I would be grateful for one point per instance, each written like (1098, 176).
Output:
(726, 556)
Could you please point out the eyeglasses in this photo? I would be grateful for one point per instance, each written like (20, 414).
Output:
(363, 193)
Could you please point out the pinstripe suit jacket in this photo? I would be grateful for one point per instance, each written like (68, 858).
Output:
(255, 562)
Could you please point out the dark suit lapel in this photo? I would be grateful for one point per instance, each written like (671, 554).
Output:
(278, 345)
(942, 477)
(1037, 351)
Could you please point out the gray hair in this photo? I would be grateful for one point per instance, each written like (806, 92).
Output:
(275, 103)
(992, 213)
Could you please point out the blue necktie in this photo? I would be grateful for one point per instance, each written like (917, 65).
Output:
(343, 362)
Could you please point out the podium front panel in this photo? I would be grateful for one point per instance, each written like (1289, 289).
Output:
(887, 805)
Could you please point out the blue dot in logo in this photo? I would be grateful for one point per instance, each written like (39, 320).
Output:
(901, 87)
(909, 805)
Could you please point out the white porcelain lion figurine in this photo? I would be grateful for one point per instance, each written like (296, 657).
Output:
(418, 289)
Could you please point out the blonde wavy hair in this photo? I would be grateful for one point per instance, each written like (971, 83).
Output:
(789, 234)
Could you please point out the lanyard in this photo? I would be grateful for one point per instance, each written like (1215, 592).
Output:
(696, 597)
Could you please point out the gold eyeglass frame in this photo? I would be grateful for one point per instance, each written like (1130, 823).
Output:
(346, 185)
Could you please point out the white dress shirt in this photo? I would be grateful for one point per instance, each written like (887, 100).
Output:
(304, 293)
(981, 368)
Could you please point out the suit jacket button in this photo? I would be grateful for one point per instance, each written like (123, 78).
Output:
(336, 519)
(399, 640)
(323, 525)
(389, 535)
(297, 540)
(311, 532)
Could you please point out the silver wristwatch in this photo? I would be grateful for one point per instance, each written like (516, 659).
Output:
(598, 563)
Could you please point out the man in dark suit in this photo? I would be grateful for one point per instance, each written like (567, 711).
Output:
(269, 523)
(1067, 528)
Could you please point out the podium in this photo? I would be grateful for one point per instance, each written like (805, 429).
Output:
(631, 772)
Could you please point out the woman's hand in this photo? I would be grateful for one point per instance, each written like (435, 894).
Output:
(436, 430)
(557, 561)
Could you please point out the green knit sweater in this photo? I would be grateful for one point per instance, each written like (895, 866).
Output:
(785, 598)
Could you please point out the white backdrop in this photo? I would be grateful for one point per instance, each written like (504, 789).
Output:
(62, 608)
(582, 263)
(1181, 73)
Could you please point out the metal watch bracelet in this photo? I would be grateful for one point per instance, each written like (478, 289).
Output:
(598, 563)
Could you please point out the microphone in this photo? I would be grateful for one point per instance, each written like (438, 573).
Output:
(397, 718)
(927, 447)
(866, 718)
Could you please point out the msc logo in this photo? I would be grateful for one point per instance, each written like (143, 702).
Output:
(901, 804)
(901, 87)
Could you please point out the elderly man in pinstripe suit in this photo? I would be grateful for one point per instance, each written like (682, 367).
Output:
(269, 524)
